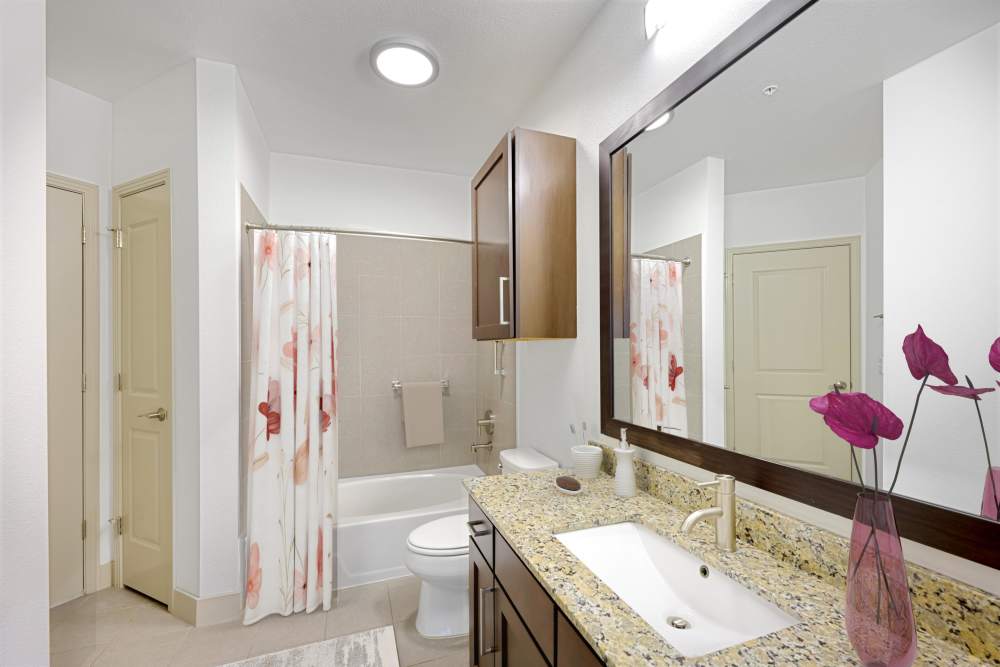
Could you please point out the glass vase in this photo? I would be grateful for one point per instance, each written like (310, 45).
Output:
(990, 488)
(878, 613)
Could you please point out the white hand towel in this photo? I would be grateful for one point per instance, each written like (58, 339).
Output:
(423, 413)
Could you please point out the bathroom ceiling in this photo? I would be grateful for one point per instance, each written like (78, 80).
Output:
(825, 121)
(305, 66)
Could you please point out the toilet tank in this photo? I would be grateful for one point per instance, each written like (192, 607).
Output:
(525, 459)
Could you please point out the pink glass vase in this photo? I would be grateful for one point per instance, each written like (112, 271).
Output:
(989, 507)
(878, 613)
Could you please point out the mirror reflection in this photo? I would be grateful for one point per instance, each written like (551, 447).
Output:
(793, 221)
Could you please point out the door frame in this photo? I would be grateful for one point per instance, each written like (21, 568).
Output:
(118, 193)
(91, 383)
(853, 243)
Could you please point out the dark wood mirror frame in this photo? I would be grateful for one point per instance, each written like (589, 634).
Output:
(964, 535)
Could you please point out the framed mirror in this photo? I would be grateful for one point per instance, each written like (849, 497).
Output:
(779, 220)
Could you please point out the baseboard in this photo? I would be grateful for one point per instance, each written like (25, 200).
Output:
(206, 611)
(104, 575)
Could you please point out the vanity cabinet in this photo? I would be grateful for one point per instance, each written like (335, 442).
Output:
(512, 620)
(524, 239)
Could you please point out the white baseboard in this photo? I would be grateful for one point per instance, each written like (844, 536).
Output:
(206, 611)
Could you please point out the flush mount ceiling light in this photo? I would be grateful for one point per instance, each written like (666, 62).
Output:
(770, 90)
(659, 122)
(655, 16)
(404, 63)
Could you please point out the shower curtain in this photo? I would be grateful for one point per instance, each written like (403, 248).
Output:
(292, 453)
(656, 341)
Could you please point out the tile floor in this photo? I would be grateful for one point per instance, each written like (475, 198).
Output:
(119, 627)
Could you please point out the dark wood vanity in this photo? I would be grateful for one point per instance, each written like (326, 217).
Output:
(512, 620)
(524, 239)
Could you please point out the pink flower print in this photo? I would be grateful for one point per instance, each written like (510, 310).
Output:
(267, 252)
(328, 408)
(674, 372)
(254, 576)
(300, 588)
(300, 465)
(272, 408)
(319, 559)
(672, 273)
(302, 263)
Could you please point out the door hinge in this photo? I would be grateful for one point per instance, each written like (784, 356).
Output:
(118, 381)
(83, 382)
(83, 530)
(117, 523)
(119, 238)
(83, 235)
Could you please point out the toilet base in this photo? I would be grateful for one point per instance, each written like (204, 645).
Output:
(443, 611)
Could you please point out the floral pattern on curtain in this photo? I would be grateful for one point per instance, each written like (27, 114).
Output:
(656, 341)
(292, 453)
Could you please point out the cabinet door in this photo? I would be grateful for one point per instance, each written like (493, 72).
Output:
(515, 647)
(571, 649)
(482, 604)
(492, 230)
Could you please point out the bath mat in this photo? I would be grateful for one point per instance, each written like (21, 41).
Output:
(370, 648)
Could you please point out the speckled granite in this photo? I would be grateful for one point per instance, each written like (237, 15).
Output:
(527, 510)
(943, 607)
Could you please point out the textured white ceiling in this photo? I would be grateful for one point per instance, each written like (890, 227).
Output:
(825, 122)
(305, 66)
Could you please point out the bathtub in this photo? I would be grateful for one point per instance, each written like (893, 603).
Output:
(375, 515)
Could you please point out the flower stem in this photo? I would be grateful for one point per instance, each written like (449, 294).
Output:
(909, 429)
(989, 464)
(861, 478)
(875, 461)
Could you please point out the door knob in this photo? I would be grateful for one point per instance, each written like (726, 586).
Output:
(159, 414)
(840, 385)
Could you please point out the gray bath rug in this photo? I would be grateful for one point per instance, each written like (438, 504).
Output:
(370, 648)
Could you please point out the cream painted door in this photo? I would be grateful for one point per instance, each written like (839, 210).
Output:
(144, 220)
(64, 291)
(791, 340)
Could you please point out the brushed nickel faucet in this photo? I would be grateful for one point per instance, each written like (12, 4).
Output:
(724, 512)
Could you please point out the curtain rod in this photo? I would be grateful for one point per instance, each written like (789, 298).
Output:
(249, 226)
(685, 261)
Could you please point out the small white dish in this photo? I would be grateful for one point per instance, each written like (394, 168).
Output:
(568, 492)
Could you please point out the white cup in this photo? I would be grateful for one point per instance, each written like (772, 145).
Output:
(586, 461)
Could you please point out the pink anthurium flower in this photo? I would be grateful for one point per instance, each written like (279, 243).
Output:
(995, 355)
(857, 418)
(959, 390)
(925, 357)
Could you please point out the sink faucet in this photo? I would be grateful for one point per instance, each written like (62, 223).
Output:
(724, 512)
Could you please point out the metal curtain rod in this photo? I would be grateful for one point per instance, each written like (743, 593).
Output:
(249, 226)
(685, 261)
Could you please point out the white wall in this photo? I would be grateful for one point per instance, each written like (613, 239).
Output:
(689, 203)
(595, 89)
(78, 128)
(24, 577)
(941, 240)
(154, 128)
(349, 195)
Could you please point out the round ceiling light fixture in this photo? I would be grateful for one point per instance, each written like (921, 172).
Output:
(660, 121)
(770, 90)
(404, 63)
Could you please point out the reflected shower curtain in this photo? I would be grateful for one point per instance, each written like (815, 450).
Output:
(292, 480)
(656, 336)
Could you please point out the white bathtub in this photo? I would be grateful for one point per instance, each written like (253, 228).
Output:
(375, 514)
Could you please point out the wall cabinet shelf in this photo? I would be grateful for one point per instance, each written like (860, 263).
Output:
(512, 620)
(524, 239)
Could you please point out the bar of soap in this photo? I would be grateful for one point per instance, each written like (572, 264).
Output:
(568, 484)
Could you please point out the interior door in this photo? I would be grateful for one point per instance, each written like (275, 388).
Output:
(492, 232)
(792, 325)
(146, 391)
(64, 310)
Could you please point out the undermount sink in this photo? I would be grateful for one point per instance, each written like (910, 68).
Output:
(696, 609)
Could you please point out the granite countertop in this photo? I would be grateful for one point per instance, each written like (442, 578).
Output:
(528, 511)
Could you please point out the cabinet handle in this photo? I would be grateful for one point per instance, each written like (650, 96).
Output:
(482, 623)
(472, 528)
(503, 315)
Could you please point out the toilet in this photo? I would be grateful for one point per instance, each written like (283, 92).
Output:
(437, 552)
(525, 459)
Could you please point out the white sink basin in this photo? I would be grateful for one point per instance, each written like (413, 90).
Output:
(663, 583)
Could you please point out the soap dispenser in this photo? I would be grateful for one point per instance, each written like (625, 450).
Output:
(624, 468)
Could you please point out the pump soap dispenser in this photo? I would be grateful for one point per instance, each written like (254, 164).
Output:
(624, 469)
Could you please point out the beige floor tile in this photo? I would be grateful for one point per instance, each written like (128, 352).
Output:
(88, 630)
(146, 623)
(78, 657)
(359, 608)
(215, 645)
(276, 633)
(155, 652)
(101, 602)
(457, 659)
(413, 649)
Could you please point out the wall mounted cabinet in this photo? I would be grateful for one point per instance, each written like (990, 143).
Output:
(524, 239)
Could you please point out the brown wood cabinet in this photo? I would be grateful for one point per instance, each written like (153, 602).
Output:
(512, 620)
(524, 239)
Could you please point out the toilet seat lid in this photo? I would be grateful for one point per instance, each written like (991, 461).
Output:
(447, 536)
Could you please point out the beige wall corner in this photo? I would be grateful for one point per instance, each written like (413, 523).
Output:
(206, 611)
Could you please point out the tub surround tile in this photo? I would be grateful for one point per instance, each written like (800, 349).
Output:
(943, 607)
(527, 510)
